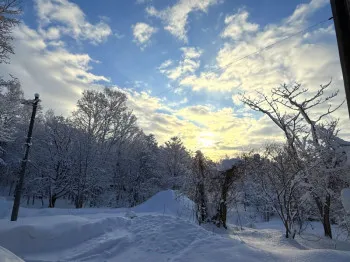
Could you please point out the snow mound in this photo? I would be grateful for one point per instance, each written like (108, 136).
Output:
(168, 203)
(7, 256)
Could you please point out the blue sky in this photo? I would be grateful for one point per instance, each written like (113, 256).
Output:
(174, 59)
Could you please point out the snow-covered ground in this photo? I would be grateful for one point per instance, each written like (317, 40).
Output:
(161, 229)
(7, 256)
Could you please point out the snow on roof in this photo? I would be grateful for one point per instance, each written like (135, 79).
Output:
(227, 164)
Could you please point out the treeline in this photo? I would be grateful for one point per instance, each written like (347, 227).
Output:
(96, 157)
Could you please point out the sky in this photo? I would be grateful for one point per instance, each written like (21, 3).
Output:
(182, 63)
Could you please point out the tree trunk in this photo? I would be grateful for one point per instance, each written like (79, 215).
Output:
(223, 207)
(324, 209)
(79, 201)
(202, 205)
(326, 218)
(52, 201)
(223, 215)
(287, 229)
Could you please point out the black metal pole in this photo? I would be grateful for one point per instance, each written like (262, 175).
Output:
(341, 16)
(18, 190)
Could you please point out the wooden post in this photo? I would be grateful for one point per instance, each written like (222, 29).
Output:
(18, 190)
(341, 16)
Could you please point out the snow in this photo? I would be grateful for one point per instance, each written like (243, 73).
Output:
(345, 198)
(161, 229)
(168, 203)
(7, 256)
(5, 208)
(227, 164)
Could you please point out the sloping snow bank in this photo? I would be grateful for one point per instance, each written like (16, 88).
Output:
(7, 256)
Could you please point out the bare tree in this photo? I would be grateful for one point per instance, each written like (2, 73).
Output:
(293, 111)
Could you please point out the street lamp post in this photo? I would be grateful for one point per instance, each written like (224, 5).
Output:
(18, 190)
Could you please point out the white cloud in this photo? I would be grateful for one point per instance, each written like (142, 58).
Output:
(52, 33)
(175, 18)
(72, 20)
(179, 103)
(58, 75)
(304, 10)
(165, 64)
(237, 25)
(142, 34)
(188, 64)
(311, 62)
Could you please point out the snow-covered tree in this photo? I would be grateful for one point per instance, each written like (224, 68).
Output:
(55, 158)
(9, 12)
(10, 111)
(176, 162)
(279, 177)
